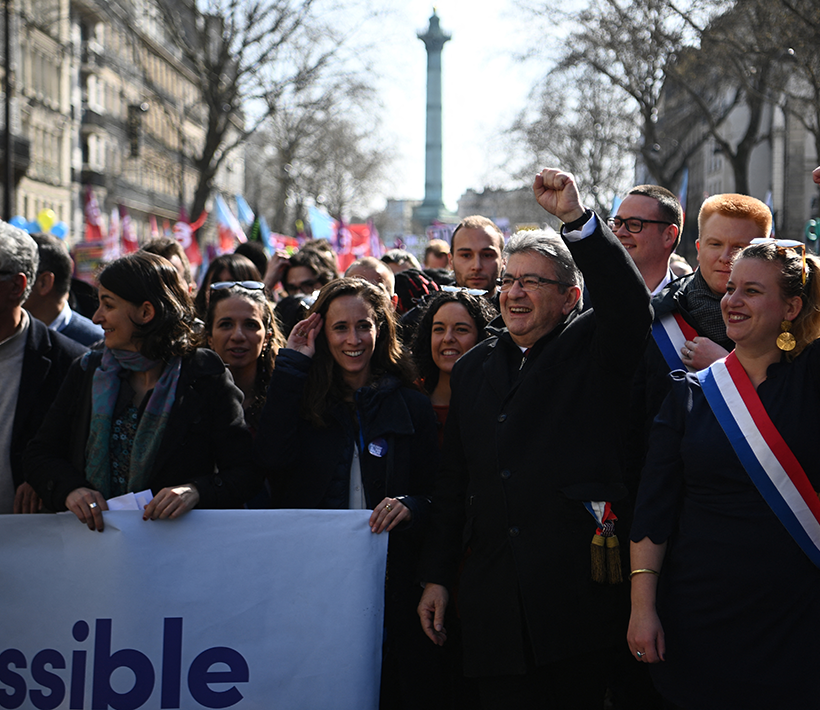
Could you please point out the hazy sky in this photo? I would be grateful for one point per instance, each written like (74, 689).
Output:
(483, 89)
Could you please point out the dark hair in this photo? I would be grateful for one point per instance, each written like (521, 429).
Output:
(480, 310)
(806, 326)
(290, 310)
(320, 260)
(256, 253)
(325, 384)
(54, 257)
(239, 267)
(668, 205)
(264, 363)
(401, 257)
(167, 247)
(141, 277)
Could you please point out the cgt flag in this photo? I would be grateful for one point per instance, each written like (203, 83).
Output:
(253, 609)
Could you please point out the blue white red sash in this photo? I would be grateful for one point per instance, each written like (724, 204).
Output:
(602, 512)
(770, 463)
(671, 332)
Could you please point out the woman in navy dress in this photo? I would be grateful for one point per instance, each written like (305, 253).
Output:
(725, 604)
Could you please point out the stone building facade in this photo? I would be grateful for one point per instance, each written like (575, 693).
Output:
(105, 100)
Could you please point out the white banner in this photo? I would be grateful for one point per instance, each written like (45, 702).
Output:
(219, 609)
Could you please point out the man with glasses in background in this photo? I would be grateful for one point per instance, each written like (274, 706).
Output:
(524, 480)
(649, 224)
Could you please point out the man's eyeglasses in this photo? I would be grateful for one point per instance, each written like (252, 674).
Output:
(248, 285)
(527, 283)
(633, 224)
(307, 286)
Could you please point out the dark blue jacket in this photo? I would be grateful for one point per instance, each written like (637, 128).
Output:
(82, 329)
(309, 467)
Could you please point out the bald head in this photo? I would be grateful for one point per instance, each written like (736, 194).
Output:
(376, 272)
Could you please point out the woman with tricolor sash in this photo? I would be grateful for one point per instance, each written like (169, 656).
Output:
(726, 539)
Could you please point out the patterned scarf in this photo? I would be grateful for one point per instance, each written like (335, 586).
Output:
(105, 389)
(704, 307)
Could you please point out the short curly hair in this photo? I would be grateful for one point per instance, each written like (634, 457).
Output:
(480, 310)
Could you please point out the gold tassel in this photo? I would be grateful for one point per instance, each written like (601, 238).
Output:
(598, 559)
(613, 560)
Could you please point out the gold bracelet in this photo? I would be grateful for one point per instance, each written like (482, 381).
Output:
(642, 571)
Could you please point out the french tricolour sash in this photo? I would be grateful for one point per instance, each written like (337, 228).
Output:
(764, 454)
(671, 332)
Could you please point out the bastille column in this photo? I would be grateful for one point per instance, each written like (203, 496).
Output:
(433, 205)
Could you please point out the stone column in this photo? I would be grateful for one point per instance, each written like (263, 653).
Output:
(434, 39)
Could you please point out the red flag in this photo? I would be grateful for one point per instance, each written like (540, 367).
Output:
(356, 242)
(185, 234)
(93, 226)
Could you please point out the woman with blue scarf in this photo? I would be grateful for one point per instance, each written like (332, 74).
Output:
(148, 411)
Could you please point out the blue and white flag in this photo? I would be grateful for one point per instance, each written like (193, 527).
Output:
(244, 211)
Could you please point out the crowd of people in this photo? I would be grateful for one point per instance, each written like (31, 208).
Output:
(512, 412)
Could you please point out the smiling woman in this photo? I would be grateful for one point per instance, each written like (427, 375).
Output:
(345, 427)
(451, 322)
(149, 411)
(240, 327)
(733, 456)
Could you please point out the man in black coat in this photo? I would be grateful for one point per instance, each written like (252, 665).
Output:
(533, 441)
(33, 362)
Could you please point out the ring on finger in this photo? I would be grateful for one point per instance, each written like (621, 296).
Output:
(639, 654)
(388, 507)
(92, 505)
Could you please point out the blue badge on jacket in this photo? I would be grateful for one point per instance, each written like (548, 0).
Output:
(377, 447)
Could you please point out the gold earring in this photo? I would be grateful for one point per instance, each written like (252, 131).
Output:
(786, 341)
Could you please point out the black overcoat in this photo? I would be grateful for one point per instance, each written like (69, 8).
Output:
(205, 441)
(523, 448)
(46, 361)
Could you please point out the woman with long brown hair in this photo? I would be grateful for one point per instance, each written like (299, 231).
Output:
(344, 427)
